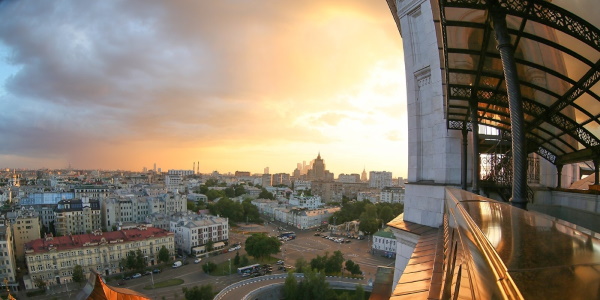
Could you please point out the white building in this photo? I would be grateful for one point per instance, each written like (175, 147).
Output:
(174, 183)
(193, 230)
(349, 178)
(181, 172)
(392, 195)
(307, 219)
(384, 243)
(372, 196)
(305, 202)
(380, 179)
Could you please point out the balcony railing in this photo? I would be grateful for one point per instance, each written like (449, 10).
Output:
(495, 251)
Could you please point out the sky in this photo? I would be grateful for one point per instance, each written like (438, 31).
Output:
(234, 85)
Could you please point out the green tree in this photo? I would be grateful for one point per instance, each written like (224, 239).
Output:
(209, 245)
(250, 211)
(40, 283)
(359, 293)
(260, 245)
(244, 261)
(204, 292)
(386, 214)
(369, 223)
(191, 205)
(236, 260)
(163, 254)
(140, 260)
(353, 267)
(334, 263)
(214, 194)
(264, 194)
(209, 267)
(239, 190)
(318, 263)
(78, 274)
(290, 288)
(301, 265)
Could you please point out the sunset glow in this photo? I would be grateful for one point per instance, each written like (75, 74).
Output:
(235, 85)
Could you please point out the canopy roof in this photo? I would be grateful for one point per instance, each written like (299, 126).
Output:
(558, 62)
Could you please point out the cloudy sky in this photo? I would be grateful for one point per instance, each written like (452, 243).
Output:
(235, 85)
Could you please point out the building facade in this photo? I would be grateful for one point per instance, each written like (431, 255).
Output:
(52, 259)
(380, 179)
(384, 243)
(77, 216)
(193, 230)
(25, 225)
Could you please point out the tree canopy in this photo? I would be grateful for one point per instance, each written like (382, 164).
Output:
(204, 292)
(163, 254)
(260, 245)
(78, 274)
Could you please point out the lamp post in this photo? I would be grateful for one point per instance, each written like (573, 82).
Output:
(229, 259)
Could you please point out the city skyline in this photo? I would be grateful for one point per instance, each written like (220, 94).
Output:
(236, 86)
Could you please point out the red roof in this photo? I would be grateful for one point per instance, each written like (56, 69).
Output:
(63, 243)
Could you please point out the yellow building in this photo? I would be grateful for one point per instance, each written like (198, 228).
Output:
(25, 225)
(53, 258)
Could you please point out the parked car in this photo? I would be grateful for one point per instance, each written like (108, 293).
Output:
(146, 273)
(317, 234)
(280, 262)
(197, 260)
(126, 278)
(156, 271)
(121, 282)
(177, 264)
(136, 275)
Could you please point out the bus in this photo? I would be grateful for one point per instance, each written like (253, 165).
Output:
(289, 234)
(248, 269)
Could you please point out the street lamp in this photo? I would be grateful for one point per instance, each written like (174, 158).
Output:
(229, 259)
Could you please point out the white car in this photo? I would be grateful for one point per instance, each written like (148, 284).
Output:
(197, 260)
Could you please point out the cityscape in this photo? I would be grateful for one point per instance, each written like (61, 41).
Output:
(277, 150)
(59, 219)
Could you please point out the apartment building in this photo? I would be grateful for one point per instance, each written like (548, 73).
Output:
(25, 225)
(53, 258)
(77, 216)
(392, 195)
(135, 209)
(281, 178)
(305, 201)
(92, 191)
(380, 179)
(193, 230)
(7, 258)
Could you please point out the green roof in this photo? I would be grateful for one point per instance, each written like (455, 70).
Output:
(385, 233)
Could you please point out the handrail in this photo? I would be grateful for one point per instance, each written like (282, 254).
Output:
(495, 250)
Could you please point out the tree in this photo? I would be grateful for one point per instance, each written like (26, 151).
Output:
(236, 260)
(290, 288)
(264, 194)
(318, 263)
(78, 274)
(209, 245)
(140, 260)
(301, 265)
(244, 261)
(163, 254)
(250, 211)
(191, 205)
(135, 260)
(368, 220)
(260, 245)
(386, 213)
(40, 283)
(359, 294)
(204, 292)
(209, 267)
(353, 267)
(334, 263)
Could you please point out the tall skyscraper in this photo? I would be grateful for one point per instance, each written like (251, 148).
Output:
(154, 168)
(363, 178)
